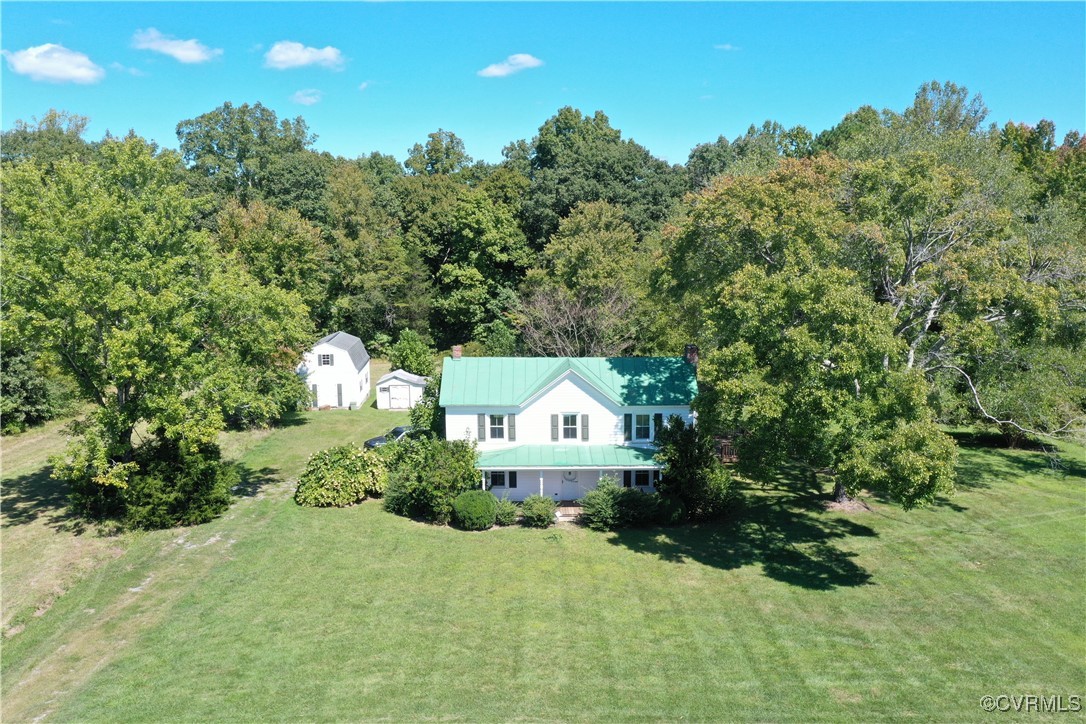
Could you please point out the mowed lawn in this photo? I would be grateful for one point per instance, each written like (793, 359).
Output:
(785, 613)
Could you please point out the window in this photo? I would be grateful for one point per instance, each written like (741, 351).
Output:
(641, 427)
(501, 479)
(569, 427)
(325, 360)
(641, 478)
(497, 427)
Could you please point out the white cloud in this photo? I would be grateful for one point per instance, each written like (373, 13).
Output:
(288, 54)
(185, 51)
(726, 46)
(55, 64)
(513, 64)
(307, 96)
(363, 85)
(125, 69)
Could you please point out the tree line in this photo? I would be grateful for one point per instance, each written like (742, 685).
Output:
(850, 290)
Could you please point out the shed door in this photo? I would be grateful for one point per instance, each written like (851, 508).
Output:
(399, 397)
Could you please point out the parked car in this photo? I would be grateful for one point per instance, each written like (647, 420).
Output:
(396, 433)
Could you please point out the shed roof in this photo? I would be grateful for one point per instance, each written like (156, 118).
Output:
(628, 381)
(403, 375)
(567, 457)
(349, 343)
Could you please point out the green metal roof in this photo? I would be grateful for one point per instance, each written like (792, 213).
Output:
(567, 457)
(508, 381)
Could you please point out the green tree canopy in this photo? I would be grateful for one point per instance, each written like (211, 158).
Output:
(105, 271)
(443, 154)
(278, 247)
(809, 369)
(413, 354)
(587, 298)
(966, 279)
(756, 152)
(56, 135)
(236, 146)
(577, 158)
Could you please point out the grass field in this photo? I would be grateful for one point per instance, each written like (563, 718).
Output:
(785, 613)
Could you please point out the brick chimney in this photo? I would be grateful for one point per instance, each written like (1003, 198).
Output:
(458, 350)
(691, 355)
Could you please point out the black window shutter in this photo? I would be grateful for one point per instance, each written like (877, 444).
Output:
(627, 476)
(627, 427)
(512, 479)
(584, 428)
(482, 427)
(655, 477)
(512, 427)
(554, 427)
(658, 424)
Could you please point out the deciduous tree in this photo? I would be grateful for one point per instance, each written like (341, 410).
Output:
(808, 368)
(104, 269)
(577, 158)
(235, 146)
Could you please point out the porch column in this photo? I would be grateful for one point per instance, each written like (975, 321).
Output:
(541, 482)
(482, 480)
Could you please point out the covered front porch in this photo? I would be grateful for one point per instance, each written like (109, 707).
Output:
(564, 473)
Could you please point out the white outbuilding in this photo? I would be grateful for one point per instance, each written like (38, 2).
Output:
(337, 371)
(399, 390)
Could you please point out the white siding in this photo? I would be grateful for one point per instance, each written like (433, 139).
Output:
(413, 394)
(555, 486)
(570, 394)
(356, 383)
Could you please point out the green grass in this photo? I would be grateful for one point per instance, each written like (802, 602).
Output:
(787, 613)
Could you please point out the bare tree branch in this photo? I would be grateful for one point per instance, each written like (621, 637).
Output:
(996, 420)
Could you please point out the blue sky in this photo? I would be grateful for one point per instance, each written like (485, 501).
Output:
(380, 76)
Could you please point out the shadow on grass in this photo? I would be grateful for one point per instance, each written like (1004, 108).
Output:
(294, 418)
(253, 481)
(37, 496)
(786, 532)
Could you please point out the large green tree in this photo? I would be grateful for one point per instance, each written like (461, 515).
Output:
(755, 152)
(379, 281)
(443, 154)
(236, 147)
(809, 369)
(577, 158)
(587, 297)
(56, 135)
(279, 248)
(165, 336)
(966, 278)
(482, 258)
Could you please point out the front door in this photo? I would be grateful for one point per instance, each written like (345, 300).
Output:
(399, 397)
(575, 483)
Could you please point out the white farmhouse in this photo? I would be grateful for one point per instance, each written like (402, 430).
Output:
(556, 426)
(337, 371)
(400, 390)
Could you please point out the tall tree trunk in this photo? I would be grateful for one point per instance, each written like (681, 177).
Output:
(839, 493)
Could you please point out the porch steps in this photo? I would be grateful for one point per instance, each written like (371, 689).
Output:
(568, 510)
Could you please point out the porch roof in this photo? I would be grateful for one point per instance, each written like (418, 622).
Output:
(567, 457)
